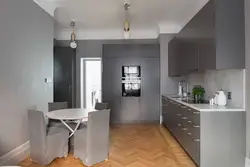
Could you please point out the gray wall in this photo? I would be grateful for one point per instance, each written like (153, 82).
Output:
(132, 109)
(93, 48)
(168, 84)
(247, 19)
(26, 58)
(214, 80)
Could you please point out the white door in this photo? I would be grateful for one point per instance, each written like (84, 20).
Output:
(91, 82)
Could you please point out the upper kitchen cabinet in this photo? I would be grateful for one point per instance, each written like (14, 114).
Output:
(230, 34)
(189, 53)
(174, 58)
(206, 55)
(201, 26)
(214, 38)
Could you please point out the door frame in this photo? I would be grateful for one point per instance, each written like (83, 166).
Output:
(83, 76)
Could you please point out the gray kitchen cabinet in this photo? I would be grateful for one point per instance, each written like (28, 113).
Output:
(210, 138)
(174, 63)
(206, 58)
(131, 109)
(167, 110)
(218, 32)
(230, 34)
(189, 57)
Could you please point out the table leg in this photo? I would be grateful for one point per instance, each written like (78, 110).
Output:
(77, 125)
(72, 131)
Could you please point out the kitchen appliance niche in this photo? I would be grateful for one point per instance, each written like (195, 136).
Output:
(131, 81)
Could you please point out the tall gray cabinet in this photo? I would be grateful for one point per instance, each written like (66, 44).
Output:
(132, 109)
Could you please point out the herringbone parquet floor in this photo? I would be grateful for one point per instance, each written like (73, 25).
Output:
(144, 145)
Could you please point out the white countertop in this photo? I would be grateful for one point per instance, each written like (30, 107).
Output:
(204, 107)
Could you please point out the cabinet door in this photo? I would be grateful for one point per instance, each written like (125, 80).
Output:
(165, 114)
(207, 55)
(177, 127)
(189, 56)
(230, 34)
(166, 119)
(171, 49)
(173, 58)
(171, 117)
(64, 75)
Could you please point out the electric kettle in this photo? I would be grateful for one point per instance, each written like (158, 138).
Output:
(222, 98)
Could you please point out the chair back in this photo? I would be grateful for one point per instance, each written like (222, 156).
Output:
(98, 135)
(101, 106)
(37, 133)
(57, 106)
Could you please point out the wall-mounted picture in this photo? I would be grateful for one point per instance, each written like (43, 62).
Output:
(131, 81)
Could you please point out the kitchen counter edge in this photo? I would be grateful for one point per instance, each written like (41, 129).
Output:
(204, 107)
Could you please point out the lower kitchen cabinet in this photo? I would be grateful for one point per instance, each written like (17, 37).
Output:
(211, 138)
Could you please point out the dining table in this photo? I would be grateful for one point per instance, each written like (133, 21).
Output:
(69, 116)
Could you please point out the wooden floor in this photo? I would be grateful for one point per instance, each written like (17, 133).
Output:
(146, 145)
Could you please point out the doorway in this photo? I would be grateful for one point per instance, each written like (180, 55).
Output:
(64, 75)
(91, 82)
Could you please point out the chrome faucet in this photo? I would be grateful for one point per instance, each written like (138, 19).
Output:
(181, 90)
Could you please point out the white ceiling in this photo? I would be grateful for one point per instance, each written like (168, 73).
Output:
(103, 19)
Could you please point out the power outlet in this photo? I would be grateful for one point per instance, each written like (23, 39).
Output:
(229, 95)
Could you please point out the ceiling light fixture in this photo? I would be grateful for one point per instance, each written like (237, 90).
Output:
(127, 5)
(73, 43)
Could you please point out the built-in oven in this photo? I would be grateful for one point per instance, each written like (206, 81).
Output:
(131, 81)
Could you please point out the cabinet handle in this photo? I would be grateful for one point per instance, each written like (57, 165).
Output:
(196, 126)
(189, 109)
(190, 134)
(196, 113)
(184, 129)
(183, 107)
(178, 115)
(190, 122)
(179, 125)
(184, 118)
(196, 140)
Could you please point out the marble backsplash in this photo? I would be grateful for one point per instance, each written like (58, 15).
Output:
(228, 80)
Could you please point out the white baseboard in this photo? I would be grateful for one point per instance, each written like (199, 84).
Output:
(247, 162)
(16, 156)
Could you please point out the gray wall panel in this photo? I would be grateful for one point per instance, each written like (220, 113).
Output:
(223, 139)
(247, 19)
(168, 84)
(26, 59)
(93, 48)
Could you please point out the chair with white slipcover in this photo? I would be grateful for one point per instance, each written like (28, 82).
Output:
(46, 143)
(91, 144)
(56, 106)
(101, 106)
